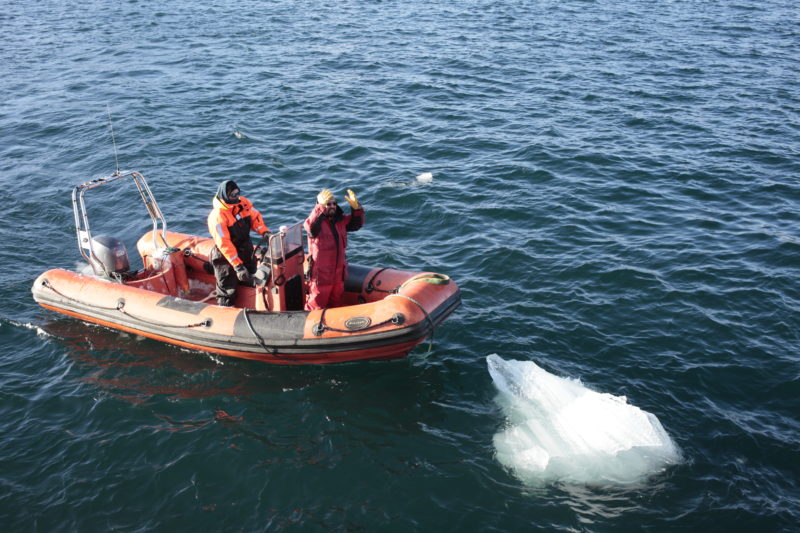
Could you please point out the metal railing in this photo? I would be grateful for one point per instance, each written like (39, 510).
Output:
(83, 228)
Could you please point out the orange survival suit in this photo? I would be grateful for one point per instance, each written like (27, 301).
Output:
(230, 223)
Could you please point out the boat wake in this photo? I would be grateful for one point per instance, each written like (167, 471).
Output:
(560, 431)
(39, 331)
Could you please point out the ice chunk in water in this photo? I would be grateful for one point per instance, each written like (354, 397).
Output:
(425, 177)
(559, 430)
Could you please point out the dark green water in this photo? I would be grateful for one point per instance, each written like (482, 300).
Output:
(615, 190)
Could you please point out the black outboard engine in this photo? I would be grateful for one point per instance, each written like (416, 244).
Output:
(111, 253)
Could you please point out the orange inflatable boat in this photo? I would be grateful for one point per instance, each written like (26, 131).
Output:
(386, 312)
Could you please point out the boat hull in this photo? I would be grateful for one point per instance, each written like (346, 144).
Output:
(391, 311)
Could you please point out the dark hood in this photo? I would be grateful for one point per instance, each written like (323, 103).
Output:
(224, 188)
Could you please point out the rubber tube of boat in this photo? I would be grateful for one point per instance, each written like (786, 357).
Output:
(179, 268)
(168, 275)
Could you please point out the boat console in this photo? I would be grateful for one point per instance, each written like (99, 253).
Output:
(280, 284)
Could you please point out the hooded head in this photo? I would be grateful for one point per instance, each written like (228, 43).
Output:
(326, 199)
(224, 192)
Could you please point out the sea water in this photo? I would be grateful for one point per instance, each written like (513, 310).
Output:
(613, 185)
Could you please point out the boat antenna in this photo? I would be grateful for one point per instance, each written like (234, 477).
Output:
(113, 140)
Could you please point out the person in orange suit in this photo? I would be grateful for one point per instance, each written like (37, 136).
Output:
(327, 227)
(230, 222)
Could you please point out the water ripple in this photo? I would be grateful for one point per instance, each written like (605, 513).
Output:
(612, 188)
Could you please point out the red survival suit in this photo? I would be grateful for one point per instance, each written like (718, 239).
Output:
(327, 240)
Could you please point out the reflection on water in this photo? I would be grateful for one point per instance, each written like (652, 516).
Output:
(143, 371)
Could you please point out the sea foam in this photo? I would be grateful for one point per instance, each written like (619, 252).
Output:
(559, 430)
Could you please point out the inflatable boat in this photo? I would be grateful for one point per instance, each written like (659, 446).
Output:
(385, 312)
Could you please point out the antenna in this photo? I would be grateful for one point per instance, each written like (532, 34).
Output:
(113, 140)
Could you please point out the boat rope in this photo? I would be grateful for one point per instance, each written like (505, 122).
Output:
(320, 327)
(256, 335)
(371, 287)
(120, 307)
(46, 283)
(430, 320)
(272, 351)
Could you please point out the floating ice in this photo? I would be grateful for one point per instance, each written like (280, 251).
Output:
(425, 177)
(559, 430)
(421, 179)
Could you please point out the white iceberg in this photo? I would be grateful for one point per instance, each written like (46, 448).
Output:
(559, 430)
(425, 177)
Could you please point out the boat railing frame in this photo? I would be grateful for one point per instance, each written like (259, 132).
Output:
(83, 229)
(283, 242)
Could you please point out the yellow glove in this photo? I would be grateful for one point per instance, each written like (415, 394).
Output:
(324, 196)
(352, 199)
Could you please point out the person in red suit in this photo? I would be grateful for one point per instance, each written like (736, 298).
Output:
(327, 227)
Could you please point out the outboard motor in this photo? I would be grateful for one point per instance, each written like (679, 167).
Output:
(111, 253)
